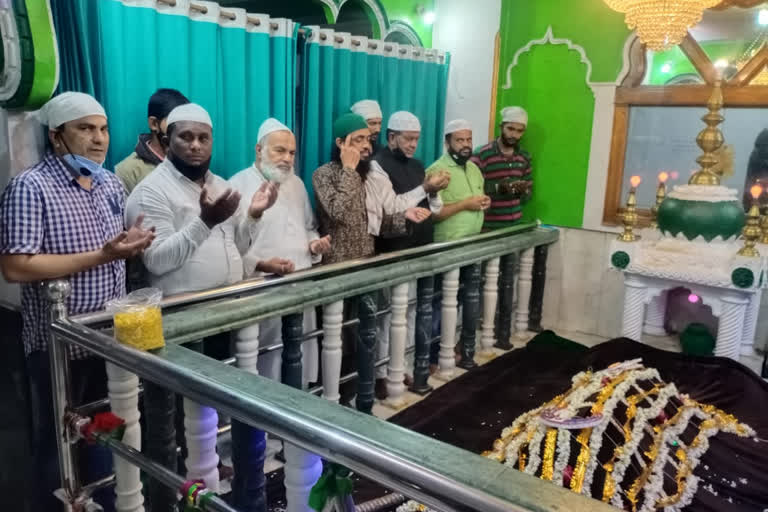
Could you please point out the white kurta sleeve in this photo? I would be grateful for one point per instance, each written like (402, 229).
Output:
(310, 223)
(435, 204)
(380, 198)
(171, 248)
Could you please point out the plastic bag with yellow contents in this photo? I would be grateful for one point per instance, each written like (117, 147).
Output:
(138, 320)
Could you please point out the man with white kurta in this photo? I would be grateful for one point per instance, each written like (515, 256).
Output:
(287, 239)
(201, 234)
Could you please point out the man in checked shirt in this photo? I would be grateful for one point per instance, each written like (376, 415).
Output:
(63, 218)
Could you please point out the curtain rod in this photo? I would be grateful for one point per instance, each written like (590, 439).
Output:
(274, 26)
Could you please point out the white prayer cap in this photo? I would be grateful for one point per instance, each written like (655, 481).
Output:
(189, 112)
(514, 115)
(269, 126)
(456, 125)
(69, 106)
(403, 121)
(369, 109)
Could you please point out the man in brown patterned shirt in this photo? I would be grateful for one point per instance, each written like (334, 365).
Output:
(340, 193)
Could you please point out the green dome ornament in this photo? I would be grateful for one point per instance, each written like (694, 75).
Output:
(704, 208)
(708, 219)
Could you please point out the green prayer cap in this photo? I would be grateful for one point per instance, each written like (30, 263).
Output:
(347, 124)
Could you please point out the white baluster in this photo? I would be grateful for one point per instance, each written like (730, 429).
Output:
(447, 359)
(750, 323)
(123, 390)
(247, 348)
(200, 430)
(655, 315)
(634, 308)
(490, 299)
(730, 325)
(331, 356)
(302, 470)
(397, 342)
(525, 279)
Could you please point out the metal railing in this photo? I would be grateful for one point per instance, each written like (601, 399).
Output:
(437, 474)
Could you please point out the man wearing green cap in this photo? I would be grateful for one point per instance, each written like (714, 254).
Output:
(340, 193)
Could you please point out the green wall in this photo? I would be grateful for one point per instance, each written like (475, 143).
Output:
(405, 11)
(550, 82)
(679, 64)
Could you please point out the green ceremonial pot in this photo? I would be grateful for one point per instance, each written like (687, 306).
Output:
(706, 218)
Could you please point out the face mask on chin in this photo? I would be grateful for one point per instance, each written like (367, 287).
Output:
(192, 172)
(461, 157)
(83, 166)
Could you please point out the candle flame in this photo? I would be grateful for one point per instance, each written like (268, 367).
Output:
(756, 191)
(663, 176)
(635, 180)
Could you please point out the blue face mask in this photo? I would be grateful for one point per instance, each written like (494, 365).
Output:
(83, 166)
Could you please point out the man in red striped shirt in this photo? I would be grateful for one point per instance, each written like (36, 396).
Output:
(507, 171)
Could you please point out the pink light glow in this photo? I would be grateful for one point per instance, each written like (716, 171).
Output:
(693, 298)
(674, 175)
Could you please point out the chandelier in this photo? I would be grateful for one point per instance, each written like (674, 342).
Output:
(661, 24)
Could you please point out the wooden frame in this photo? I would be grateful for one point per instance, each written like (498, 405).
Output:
(495, 87)
(736, 93)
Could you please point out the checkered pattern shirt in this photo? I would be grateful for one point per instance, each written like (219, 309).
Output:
(45, 211)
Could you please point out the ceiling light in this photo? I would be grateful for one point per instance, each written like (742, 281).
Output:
(721, 63)
(762, 17)
(429, 17)
(666, 68)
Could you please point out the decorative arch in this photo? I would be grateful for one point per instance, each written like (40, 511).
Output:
(375, 12)
(404, 30)
(549, 38)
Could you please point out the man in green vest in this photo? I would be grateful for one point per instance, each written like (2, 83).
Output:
(464, 200)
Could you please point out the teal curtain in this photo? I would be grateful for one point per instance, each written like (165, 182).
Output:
(242, 73)
(335, 75)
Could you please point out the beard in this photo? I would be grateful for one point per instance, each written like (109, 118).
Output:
(277, 173)
(363, 166)
(461, 156)
(192, 172)
(510, 141)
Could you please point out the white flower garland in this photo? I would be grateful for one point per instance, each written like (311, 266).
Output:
(412, 506)
(534, 450)
(596, 439)
(563, 454)
(642, 417)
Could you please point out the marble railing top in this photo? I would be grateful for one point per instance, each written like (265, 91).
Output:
(424, 468)
(206, 319)
(321, 271)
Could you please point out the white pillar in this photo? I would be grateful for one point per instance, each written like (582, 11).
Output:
(655, 314)
(750, 323)
(634, 308)
(302, 470)
(490, 299)
(731, 325)
(525, 280)
(447, 358)
(200, 430)
(247, 348)
(123, 390)
(397, 337)
(331, 356)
